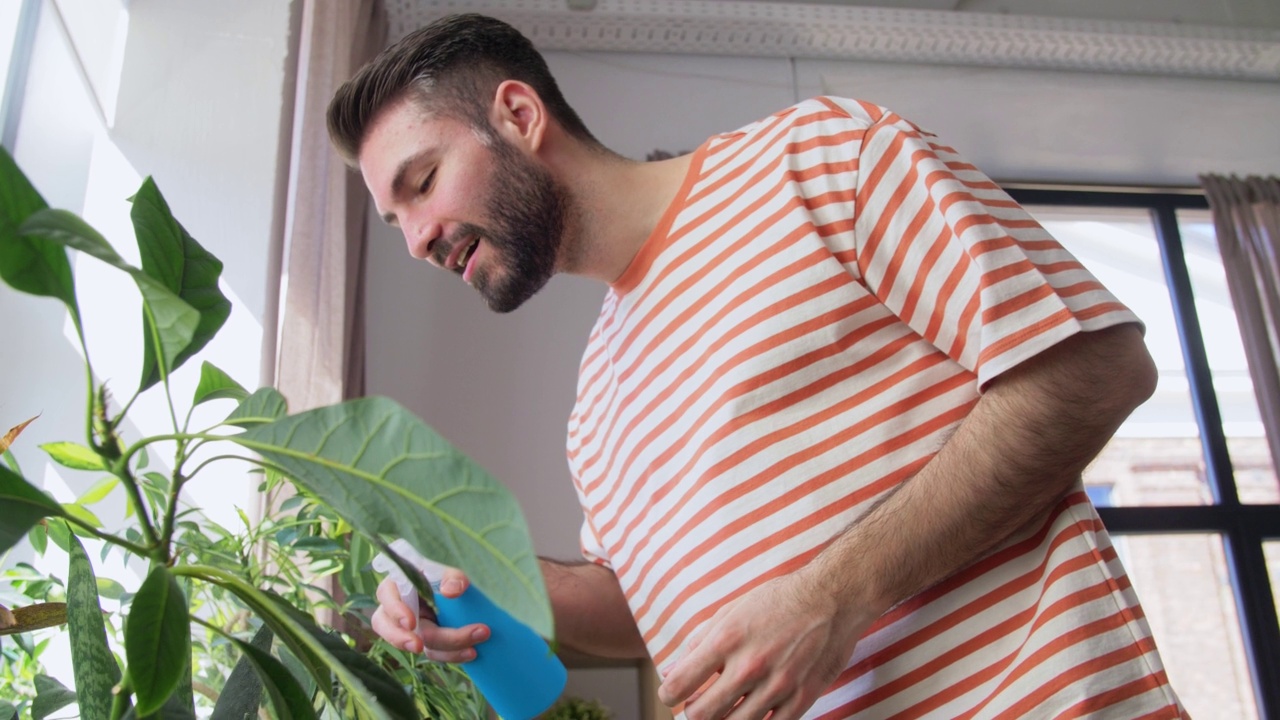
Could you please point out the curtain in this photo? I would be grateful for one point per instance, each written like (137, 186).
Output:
(1246, 217)
(320, 356)
(320, 359)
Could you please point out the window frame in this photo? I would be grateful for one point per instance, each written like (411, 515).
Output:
(1243, 527)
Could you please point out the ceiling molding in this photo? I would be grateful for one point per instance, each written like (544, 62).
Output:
(776, 29)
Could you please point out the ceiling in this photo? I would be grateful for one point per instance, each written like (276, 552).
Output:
(1230, 39)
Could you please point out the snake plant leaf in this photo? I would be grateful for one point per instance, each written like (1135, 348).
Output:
(171, 256)
(174, 321)
(388, 474)
(216, 384)
(157, 640)
(51, 696)
(265, 405)
(92, 663)
(24, 505)
(26, 264)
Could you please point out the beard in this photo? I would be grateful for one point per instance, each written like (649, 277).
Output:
(526, 210)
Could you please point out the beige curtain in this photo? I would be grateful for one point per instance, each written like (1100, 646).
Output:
(1246, 217)
(321, 354)
(320, 357)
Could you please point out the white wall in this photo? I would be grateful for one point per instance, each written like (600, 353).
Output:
(194, 91)
(501, 386)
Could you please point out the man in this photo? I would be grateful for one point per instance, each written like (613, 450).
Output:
(832, 418)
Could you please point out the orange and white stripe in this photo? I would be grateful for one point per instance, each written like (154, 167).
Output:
(814, 315)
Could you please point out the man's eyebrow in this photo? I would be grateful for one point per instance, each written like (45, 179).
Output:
(402, 170)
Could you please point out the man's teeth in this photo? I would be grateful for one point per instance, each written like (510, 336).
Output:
(466, 254)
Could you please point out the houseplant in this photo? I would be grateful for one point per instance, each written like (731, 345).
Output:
(371, 462)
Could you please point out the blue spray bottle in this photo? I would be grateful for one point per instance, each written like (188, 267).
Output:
(514, 669)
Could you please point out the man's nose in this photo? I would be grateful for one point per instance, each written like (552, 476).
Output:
(421, 240)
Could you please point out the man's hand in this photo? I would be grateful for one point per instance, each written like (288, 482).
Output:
(777, 648)
(415, 629)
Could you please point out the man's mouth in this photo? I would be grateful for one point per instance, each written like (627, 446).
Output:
(464, 258)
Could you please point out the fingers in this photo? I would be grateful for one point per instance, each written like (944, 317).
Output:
(453, 583)
(403, 628)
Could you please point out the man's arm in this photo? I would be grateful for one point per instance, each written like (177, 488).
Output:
(1021, 448)
(591, 613)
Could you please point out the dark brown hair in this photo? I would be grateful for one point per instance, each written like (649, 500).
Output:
(451, 67)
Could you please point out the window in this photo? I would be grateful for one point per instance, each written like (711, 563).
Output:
(17, 28)
(1187, 488)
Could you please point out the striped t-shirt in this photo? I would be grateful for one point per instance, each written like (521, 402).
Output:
(814, 314)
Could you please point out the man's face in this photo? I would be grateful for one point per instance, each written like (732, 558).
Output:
(469, 203)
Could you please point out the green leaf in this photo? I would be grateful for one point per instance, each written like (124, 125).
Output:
(157, 641)
(74, 456)
(174, 321)
(39, 538)
(51, 696)
(8, 711)
(94, 666)
(241, 696)
(258, 670)
(98, 491)
(12, 462)
(384, 471)
(24, 505)
(215, 385)
(29, 265)
(171, 256)
(373, 692)
(110, 589)
(263, 406)
(82, 514)
(60, 533)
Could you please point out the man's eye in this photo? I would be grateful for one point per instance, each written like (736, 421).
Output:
(426, 184)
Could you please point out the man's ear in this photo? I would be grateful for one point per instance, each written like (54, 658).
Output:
(518, 115)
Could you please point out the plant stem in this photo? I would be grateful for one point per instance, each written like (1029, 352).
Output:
(123, 691)
(108, 537)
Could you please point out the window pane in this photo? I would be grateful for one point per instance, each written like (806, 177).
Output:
(1182, 583)
(1251, 460)
(1155, 457)
(9, 12)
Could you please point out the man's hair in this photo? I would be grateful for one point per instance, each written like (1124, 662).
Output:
(451, 67)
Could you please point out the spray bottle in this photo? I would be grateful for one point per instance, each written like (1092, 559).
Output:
(514, 669)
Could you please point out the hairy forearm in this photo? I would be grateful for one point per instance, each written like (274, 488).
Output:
(1022, 447)
(591, 613)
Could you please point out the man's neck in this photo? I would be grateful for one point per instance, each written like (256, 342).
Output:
(617, 205)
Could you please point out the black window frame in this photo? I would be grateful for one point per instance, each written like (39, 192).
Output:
(1243, 527)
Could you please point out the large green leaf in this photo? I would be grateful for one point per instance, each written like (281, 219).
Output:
(157, 640)
(174, 320)
(388, 474)
(95, 668)
(258, 670)
(51, 696)
(29, 265)
(174, 258)
(24, 505)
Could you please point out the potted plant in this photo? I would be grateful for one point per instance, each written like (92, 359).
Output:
(373, 465)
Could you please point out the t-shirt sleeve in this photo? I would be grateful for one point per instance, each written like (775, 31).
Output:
(958, 260)
(592, 549)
